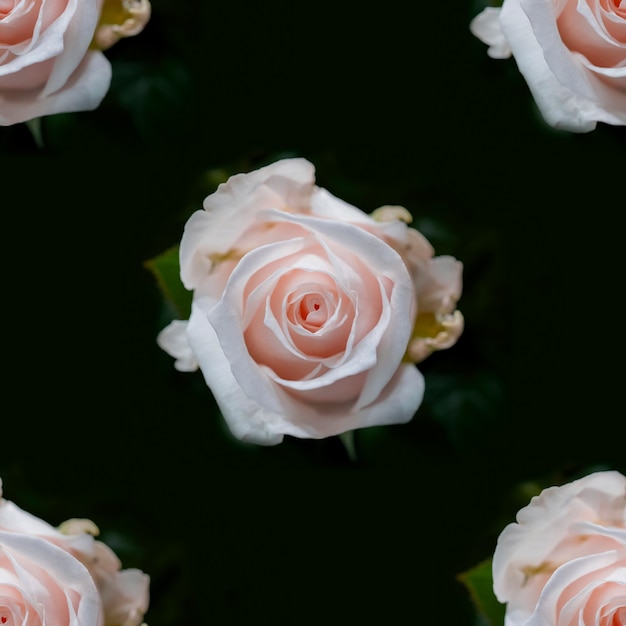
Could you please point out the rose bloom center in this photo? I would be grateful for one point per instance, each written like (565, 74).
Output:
(619, 618)
(311, 312)
(301, 325)
(5, 7)
(619, 5)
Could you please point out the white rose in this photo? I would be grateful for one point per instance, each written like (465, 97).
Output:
(304, 310)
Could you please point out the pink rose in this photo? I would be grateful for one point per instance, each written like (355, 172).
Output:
(51, 576)
(564, 562)
(308, 315)
(572, 54)
(47, 65)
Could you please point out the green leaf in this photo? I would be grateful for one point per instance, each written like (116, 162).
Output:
(347, 439)
(479, 582)
(34, 126)
(166, 269)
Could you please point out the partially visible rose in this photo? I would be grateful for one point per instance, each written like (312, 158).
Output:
(50, 53)
(563, 563)
(572, 54)
(42, 585)
(51, 576)
(308, 314)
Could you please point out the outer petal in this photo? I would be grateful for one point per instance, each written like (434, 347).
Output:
(398, 401)
(439, 283)
(83, 92)
(125, 596)
(486, 26)
(285, 185)
(124, 593)
(327, 206)
(133, 19)
(16, 520)
(246, 419)
(77, 35)
(173, 339)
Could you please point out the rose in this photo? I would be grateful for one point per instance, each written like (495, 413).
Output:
(564, 562)
(51, 576)
(46, 63)
(572, 54)
(308, 315)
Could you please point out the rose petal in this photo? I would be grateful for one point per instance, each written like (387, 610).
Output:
(14, 519)
(285, 185)
(569, 593)
(326, 206)
(246, 418)
(173, 339)
(486, 27)
(77, 34)
(84, 91)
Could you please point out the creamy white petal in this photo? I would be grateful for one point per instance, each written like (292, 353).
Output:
(77, 35)
(486, 27)
(83, 92)
(327, 206)
(14, 519)
(246, 418)
(173, 339)
(398, 401)
(285, 185)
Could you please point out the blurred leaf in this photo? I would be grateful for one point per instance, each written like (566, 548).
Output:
(347, 439)
(479, 582)
(166, 269)
(156, 93)
(467, 403)
(34, 126)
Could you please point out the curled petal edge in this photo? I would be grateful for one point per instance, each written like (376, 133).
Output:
(173, 339)
(445, 329)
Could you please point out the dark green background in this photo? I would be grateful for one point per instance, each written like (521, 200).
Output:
(394, 106)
